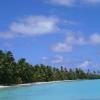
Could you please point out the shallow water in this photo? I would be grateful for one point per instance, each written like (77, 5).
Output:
(76, 90)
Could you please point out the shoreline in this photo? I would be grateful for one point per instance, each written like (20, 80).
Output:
(36, 83)
(1, 86)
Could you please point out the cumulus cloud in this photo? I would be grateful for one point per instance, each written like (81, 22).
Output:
(57, 59)
(69, 42)
(95, 38)
(85, 65)
(73, 40)
(62, 47)
(35, 25)
(31, 26)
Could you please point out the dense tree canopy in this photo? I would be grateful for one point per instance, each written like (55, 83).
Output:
(12, 72)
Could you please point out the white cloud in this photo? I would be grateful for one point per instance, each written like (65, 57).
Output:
(70, 3)
(57, 59)
(69, 42)
(88, 65)
(73, 40)
(95, 38)
(31, 26)
(44, 60)
(62, 47)
(63, 2)
(35, 25)
(85, 65)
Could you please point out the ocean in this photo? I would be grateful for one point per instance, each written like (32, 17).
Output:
(75, 90)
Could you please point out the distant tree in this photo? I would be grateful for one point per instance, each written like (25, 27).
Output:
(12, 72)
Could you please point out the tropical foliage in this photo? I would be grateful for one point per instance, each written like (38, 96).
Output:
(12, 72)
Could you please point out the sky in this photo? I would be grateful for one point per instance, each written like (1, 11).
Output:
(52, 32)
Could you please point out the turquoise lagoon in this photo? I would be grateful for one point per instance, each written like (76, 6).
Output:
(75, 90)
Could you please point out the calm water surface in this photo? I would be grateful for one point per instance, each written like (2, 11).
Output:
(77, 90)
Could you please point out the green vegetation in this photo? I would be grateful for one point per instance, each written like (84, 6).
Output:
(12, 72)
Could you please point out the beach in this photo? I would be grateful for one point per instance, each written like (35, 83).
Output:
(36, 83)
(1, 86)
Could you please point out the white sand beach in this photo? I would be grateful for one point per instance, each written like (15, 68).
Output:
(1, 86)
(37, 83)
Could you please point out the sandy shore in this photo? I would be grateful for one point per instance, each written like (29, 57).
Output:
(37, 83)
(1, 86)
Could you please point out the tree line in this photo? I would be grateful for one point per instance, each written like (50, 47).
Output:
(12, 72)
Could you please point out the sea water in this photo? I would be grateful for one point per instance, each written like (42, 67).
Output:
(75, 90)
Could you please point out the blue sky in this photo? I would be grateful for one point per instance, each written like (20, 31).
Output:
(54, 32)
